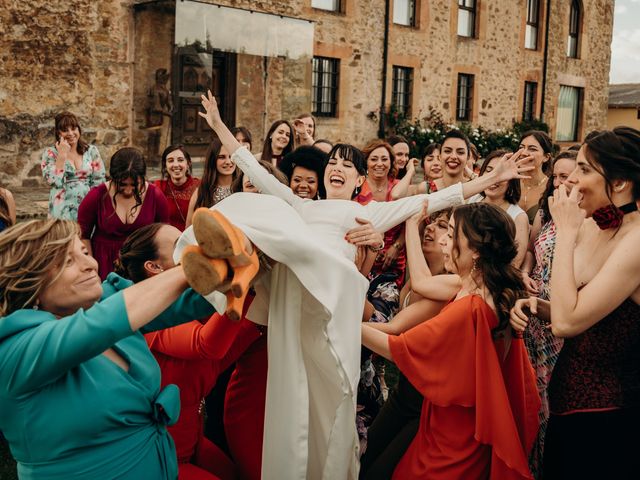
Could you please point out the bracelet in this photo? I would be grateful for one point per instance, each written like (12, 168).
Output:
(378, 248)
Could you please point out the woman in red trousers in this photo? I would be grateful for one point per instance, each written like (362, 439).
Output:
(191, 355)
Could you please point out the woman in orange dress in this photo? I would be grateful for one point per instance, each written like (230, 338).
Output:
(479, 415)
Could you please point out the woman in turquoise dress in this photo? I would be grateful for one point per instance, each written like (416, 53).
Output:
(80, 392)
(70, 168)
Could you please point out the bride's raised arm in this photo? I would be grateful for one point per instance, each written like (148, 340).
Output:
(385, 215)
(263, 180)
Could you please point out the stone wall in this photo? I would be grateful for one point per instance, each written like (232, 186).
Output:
(61, 56)
(98, 59)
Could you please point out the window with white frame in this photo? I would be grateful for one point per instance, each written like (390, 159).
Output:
(467, 18)
(404, 12)
(531, 30)
(331, 5)
(569, 107)
(575, 18)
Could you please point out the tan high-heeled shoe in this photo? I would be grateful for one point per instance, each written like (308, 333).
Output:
(204, 274)
(219, 238)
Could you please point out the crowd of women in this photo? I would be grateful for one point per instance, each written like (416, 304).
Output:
(324, 311)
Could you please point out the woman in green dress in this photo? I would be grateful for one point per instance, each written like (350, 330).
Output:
(79, 390)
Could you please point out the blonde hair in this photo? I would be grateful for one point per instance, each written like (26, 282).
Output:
(31, 254)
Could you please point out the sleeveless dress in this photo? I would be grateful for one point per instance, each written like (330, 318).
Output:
(543, 347)
(594, 397)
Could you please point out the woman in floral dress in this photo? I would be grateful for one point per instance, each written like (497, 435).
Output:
(71, 168)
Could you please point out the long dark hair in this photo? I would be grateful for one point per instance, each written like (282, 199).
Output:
(65, 120)
(267, 152)
(210, 175)
(128, 163)
(615, 154)
(543, 203)
(138, 248)
(491, 233)
(245, 133)
(165, 154)
(513, 193)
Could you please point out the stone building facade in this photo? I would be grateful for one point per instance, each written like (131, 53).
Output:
(487, 61)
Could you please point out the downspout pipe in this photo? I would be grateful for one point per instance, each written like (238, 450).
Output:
(545, 59)
(385, 56)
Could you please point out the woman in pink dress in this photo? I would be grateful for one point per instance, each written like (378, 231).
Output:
(113, 210)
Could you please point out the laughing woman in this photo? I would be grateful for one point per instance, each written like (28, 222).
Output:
(71, 168)
(80, 392)
(316, 297)
(177, 184)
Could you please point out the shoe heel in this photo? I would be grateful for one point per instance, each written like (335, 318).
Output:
(218, 237)
(243, 275)
(203, 274)
(234, 306)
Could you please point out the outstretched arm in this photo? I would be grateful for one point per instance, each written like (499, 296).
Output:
(385, 215)
(263, 180)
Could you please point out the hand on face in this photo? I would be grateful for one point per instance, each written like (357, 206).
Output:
(63, 147)
(565, 210)
(513, 165)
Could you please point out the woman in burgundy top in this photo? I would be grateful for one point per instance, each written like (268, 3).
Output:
(113, 210)
(177, 183)
(594, 393)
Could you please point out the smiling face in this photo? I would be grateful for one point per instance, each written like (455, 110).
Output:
(224, 165)
(177, 167)
(433, 233)
(71, 135)
(401, 152)
(379, 163)
(304, 182)
(454, 156)
(458, 257)
(78, 285)
(534, 149)
(341, 178)
(496, 191)
(280, 138)
(432, 165)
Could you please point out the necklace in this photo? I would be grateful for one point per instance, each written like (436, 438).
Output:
(529, 187)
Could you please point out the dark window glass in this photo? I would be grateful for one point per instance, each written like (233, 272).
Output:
(529, 108)
(324, 85)
(401, 92)
(464, 101)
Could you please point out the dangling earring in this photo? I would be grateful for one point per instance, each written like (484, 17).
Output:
(35, 306)
(356, 192)
(474, 268)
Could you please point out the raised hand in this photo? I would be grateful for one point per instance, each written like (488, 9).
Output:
(211, 113)
(513, 165)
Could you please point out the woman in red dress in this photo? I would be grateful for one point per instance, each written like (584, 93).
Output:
(113, 210)
(177, 183)
(479, 415)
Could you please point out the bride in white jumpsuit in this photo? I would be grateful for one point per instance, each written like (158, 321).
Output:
(313, 300)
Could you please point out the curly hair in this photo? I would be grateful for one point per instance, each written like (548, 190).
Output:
(31, 256)
(491, 233)
(5, 217)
